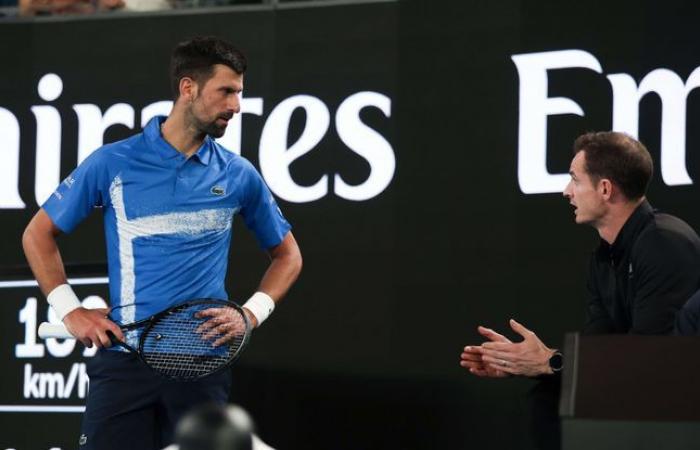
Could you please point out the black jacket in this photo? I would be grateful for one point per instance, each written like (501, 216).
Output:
(639, 283)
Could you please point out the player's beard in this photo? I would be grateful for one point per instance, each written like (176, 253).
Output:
(214, 128)
(210, 128)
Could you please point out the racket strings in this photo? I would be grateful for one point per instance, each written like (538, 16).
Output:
(183, 346)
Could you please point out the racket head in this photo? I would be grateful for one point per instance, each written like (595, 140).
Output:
(178, 343)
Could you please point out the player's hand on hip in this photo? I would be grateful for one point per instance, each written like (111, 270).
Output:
(91, 327)
(222, 324)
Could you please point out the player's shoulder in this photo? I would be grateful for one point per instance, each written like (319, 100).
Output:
(233, 162)
(667, 235)
(122, 149)
(665, 227)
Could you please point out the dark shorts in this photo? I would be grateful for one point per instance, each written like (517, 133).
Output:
(130, 407)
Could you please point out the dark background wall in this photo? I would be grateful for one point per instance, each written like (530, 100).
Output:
(364, 351)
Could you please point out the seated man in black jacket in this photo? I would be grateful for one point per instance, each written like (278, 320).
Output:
(645, 268)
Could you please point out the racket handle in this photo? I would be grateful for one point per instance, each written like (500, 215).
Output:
(52, 330)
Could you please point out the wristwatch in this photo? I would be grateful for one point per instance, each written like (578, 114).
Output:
(556, 361)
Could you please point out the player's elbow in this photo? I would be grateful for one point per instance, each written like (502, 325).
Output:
(294, 261)
(39, 231)
(29, 237)
(289, 254)
(298, 262)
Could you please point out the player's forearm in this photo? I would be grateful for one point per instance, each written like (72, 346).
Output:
(283, 270)
(43, 256)
(280, 275)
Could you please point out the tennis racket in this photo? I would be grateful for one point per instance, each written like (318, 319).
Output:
(186, 342)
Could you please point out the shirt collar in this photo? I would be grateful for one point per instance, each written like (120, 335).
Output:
(204, 152)
(167, 151)
(625, 238)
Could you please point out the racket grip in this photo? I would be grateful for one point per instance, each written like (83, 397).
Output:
(52, 330)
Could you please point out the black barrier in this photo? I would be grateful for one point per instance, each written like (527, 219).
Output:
(419, 150)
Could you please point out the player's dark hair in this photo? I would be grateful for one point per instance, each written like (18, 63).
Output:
(196, 57)
(618, 157)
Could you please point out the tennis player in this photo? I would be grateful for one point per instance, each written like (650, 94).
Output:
(168, 196)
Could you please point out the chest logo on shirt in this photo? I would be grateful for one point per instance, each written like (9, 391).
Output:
(218, 190)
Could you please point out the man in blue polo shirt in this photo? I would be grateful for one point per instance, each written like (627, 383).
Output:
(168, 196)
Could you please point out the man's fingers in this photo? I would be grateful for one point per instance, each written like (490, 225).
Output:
(470, 363)
(210, 312)
(488, 372)
(215, 331)
(116, 331)
(86, 342)
(491, 335)
(471, 357)
(103, 340)
(479, 372)
(476, 349)
(520, 329)
(497, 356)
(500, 346)
(222, 340)
(207, 325)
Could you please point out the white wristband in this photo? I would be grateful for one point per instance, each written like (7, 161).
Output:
(63, 300)
(261, 305)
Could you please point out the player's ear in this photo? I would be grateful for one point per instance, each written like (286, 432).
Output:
(188, 89)
(605, 188)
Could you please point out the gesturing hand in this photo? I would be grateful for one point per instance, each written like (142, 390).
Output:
(471, 357)
(530, 357)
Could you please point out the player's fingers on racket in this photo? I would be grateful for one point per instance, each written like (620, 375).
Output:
(235, 326)
(216, 316)
(224, 339)
(102, 339)
(212, 312)
(225, 331)
(219, 316)
(115, 330)
(230, 336)
(215, 331)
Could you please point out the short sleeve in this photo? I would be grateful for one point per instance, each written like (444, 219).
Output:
(261, 213)
(77, 195)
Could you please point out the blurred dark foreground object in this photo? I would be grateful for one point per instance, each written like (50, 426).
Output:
(625, 391)
(215, 427)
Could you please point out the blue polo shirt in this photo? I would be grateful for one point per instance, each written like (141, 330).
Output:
(167, 218)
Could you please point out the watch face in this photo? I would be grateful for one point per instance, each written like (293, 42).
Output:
(556, 362)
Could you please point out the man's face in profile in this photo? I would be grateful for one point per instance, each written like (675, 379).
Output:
(582, 192)
(216, 101)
